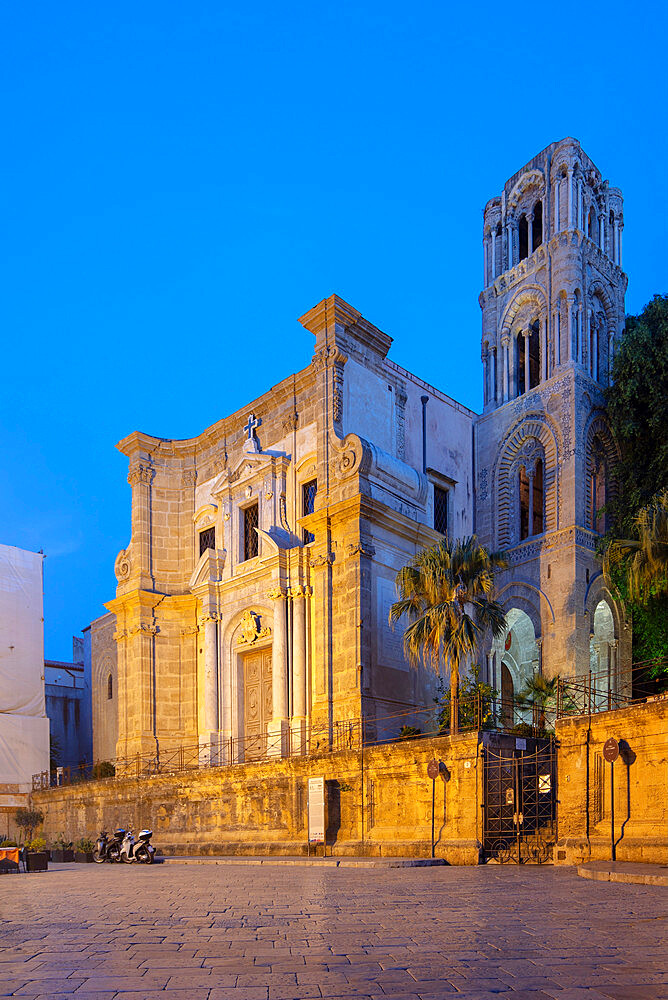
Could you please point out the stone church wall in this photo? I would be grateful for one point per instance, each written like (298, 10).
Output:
(640, 785)
(261, 808)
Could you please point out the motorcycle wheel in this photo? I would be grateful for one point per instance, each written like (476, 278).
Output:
(127, 860)
(114, 854)
(98, 858)
(144, 856)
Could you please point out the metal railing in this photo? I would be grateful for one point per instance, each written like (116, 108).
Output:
(586, 694)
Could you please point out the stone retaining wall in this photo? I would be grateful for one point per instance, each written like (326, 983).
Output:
(262, 807)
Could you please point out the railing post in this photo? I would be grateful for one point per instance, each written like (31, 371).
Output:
(558, 697)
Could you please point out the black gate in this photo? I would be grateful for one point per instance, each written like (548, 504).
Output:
(520, 802)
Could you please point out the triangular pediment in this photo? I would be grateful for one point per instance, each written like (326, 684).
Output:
(209, 569)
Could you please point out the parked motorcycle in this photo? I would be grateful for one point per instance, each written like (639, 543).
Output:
(141, 850)
(108, 848)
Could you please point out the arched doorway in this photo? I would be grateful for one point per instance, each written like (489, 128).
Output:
(516, 656)
(603, 656)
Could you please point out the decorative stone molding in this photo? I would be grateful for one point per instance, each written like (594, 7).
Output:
(190, 630)
(143, 628)
(120, 635)
(212, 617)
(276, 594)
(362, 548)
(483, 486)
(291, 422)
(400, 400)
(354, 456)
(188, 478)
(324, 560)
(140, 472)
(123, 565)
(251, 629)
(332, 357)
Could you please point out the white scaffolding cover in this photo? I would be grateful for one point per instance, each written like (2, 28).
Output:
(21, 633)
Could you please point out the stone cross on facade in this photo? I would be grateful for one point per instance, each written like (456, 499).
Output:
(251, 442)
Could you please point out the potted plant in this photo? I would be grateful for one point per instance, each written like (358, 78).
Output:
(35, 857)
(27, 820)
(83, 850)
(61, 849)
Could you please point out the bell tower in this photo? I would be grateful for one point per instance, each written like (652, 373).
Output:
(552, 314)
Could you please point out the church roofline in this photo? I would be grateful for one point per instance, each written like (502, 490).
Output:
(324, 318)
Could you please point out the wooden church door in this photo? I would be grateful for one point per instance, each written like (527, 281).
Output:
(257, 702)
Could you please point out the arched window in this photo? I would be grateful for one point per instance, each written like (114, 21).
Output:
(524, 503)
(531, 500)
(110, 687)
(591, 224)
(520, 364)
(523, 232)
(538, 498)
(599, 473)
(534, 354)
(537, 225)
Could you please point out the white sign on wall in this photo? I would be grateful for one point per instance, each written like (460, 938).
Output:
(316, 810)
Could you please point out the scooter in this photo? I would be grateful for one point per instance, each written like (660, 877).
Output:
(108, 848)
(141, 851)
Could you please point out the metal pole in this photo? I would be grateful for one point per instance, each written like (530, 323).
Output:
(424, 400)
(612, 812)
(433, 804)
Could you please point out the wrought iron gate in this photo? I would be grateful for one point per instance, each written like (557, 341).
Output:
(520, 803)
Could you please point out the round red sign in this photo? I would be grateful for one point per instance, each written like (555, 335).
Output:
(611, 750)
(432, 769)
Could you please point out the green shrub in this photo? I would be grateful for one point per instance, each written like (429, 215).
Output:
(27, 820)
(104, 769)
(85, 845)
(8, 843)
(61, 844)
(37, 844)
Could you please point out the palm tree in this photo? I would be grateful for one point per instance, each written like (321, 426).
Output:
(537, 694)
(445, 593)
(643, 561)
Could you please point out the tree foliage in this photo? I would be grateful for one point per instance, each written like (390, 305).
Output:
(445, 592)
(637, 403)
(28, 819)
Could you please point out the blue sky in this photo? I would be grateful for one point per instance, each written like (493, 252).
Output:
(181, 182)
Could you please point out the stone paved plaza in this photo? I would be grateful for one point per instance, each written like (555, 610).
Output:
(179, 932)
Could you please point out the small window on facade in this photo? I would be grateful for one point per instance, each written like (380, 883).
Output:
(440, 510)
(309, 491)
(110, 687)
(207, 540)
(251, 540)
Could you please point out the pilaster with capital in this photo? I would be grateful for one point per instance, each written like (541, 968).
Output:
(140, 477)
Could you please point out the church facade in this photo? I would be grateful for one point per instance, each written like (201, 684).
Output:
(251, 612)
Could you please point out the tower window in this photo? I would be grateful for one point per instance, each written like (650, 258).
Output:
(524, 504)
(309, 491)
(207, 540)
(534, 355)
(251, 540)
(537, 225)
(440, 510)
(110, 687)
(538, 498)
(523, 231)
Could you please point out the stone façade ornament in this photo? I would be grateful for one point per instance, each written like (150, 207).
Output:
(251, 630)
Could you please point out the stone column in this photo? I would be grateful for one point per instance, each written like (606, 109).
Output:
(580, 333)
(619, 256)
(485, 377)
(298, 725)
(494, 390)
(601, 232)
(569, 214)
(527, 368)
(504, 347)
(209, 737)
(509, 238)
(545, 358)
(557, 188)
(570, 301)
(278, 728)
(493, 236)
(529, 234)
(485, 279)
(615, 242)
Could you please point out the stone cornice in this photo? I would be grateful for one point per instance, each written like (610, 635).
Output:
(334, 316)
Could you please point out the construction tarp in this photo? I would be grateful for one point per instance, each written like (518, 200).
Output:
(21, 633)
(24, 749)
